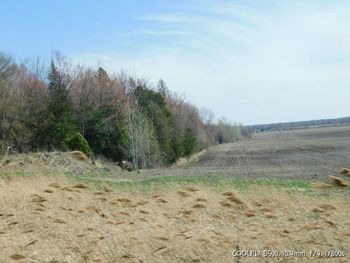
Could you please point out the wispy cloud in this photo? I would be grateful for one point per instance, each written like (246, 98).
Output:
(168, 18)
(276, 57)
(161, 32)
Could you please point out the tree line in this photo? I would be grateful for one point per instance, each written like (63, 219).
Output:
(61, 106)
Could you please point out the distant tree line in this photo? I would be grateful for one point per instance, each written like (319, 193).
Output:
(345, 121)
(65, 107)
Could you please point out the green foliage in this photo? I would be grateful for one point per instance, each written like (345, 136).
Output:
(102, 74)
(106, 136)
(168, 153)
(60, 104)
(154, 106)
(150, 100)
(189, 142)
(61, 125)
(76, 141)
(177, 145)
(57, 132)
(120, 144)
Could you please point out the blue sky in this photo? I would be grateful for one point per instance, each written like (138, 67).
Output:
(251, 61)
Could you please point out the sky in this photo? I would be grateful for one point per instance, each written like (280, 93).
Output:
(252, 61)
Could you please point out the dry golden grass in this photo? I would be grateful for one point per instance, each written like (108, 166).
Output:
(320, 185)
(183, 162)
(78, 155)
(345, 171)
(93, 225)
(338, 181)
(80, 185)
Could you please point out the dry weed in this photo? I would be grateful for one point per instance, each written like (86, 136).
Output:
(249, 213)
(191, 189)
(80, 186)
(199, 206)
(197, 229)
(338, 181)
(320, 185)
(345, 171)
(78, 155)
(183, 194)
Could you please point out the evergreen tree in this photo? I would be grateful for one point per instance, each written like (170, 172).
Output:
(108, 137)
(102, 74)
(189, 142)
(154, 106)
(106, 128)
(62, 132)
(177, 145)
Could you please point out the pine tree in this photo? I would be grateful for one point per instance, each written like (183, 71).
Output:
(62, 132)
(189, 142)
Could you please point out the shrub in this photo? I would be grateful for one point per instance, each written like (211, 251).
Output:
(76, 141)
